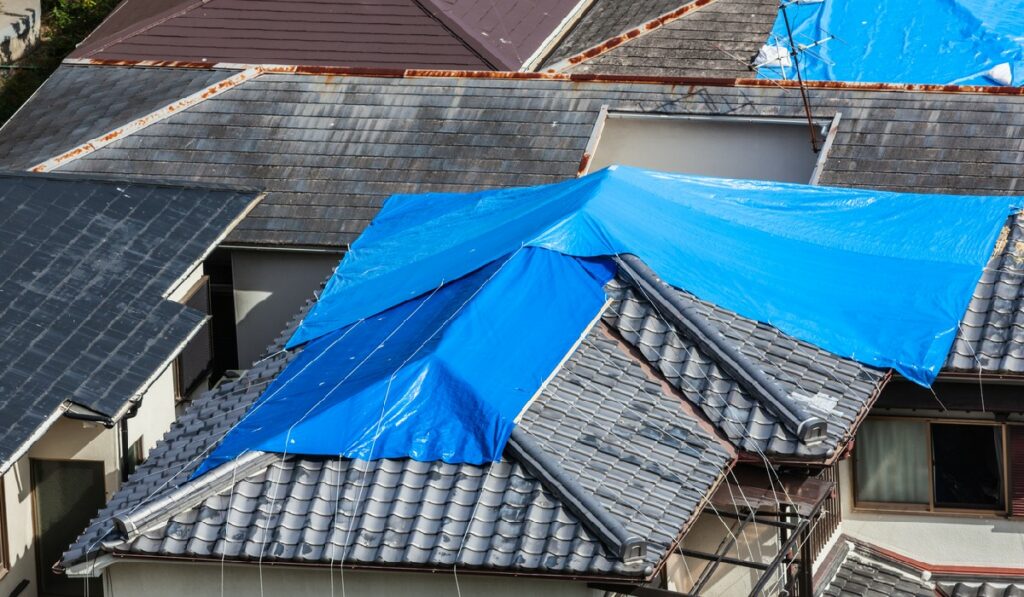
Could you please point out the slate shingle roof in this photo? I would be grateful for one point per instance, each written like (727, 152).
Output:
(605, 19)
(76, 105)
(85, 266)
(330, 149)
(603, 423)
(718, 40)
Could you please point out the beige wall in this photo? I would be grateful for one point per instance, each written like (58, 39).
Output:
(757, 542)
(131, 578)
(76, 440)
(270, 287)
(935, 539)
(733, 148)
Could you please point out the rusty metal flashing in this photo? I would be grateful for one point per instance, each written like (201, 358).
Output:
(614, 42)
(141, 123)
(595, 138)
(548, 45)
(569, 77)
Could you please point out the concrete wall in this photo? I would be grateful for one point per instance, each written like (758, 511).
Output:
(130, 578)
(935, 539)
(76, 440)
(270, 287)
(731, 148)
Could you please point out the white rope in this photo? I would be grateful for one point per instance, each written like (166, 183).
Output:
(224, 546)
(465, 533)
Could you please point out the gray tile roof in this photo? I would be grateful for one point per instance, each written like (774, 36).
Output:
(993, 588)
(861, 572)
(86, 264)
(76, 105)
(718, 40)
(838, 390)
(603, 428)
(605, 19)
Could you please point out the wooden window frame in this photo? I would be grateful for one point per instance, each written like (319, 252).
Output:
(930, 508)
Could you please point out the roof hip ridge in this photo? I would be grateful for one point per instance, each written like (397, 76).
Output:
(137, 521)
(609, 530)
(809, 428)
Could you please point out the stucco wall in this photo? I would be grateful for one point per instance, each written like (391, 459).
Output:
(270, 287)
(933, 539)
(718, 147)
(76, 440)
(755, 543)
(127, 578)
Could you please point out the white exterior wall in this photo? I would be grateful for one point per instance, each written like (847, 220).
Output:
(68, 439)
(127, 578)
(731, 148)
(757, 542)
(962, 540)
(270, 287)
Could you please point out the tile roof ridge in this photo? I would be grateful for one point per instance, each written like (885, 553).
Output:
(146, 516)
(807, 427)
(152, 118)
(628, 35)
(609, 530)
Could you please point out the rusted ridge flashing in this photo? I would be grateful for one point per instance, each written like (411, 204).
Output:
(570, 77)
(141, 123)
(548, 45)
(595, 138)
(614, 42)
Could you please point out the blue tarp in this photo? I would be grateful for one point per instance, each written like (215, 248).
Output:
(895, 41)
(882, 278)
(451, 310)
(441, 377)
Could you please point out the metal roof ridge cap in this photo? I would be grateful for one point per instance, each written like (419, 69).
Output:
(140, 27)
(793, 417)
(135, 522)
(628, 35)
(610, 531)
(461, 34)
(548, 45)
(151, 118)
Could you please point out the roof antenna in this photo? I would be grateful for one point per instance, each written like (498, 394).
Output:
(794, 51)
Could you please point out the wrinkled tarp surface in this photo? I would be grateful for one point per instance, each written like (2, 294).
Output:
(895, 41)
(441, 377)
(882, 278)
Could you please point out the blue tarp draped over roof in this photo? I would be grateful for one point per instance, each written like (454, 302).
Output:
(895, 41)
(882, 278)
(441, 377)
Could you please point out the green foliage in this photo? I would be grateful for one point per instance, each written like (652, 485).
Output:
(65, 24)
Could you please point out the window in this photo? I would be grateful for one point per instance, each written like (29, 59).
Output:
(731, 147)
(935, 465)
(67, 495)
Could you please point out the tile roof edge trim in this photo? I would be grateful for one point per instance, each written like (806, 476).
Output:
(629, 35)
(151, 118)
(610, 531)
(34, 437)
(145, 516)
(937, 569)
(344, 71)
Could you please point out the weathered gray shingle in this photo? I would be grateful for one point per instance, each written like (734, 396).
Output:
(85, 268)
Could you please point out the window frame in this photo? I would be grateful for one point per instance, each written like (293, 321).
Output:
(930, 508)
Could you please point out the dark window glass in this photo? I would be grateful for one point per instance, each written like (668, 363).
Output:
(967, 466)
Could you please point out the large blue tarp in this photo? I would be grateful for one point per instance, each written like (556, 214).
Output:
(895, 41)
(440, 377)
(882, 278)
